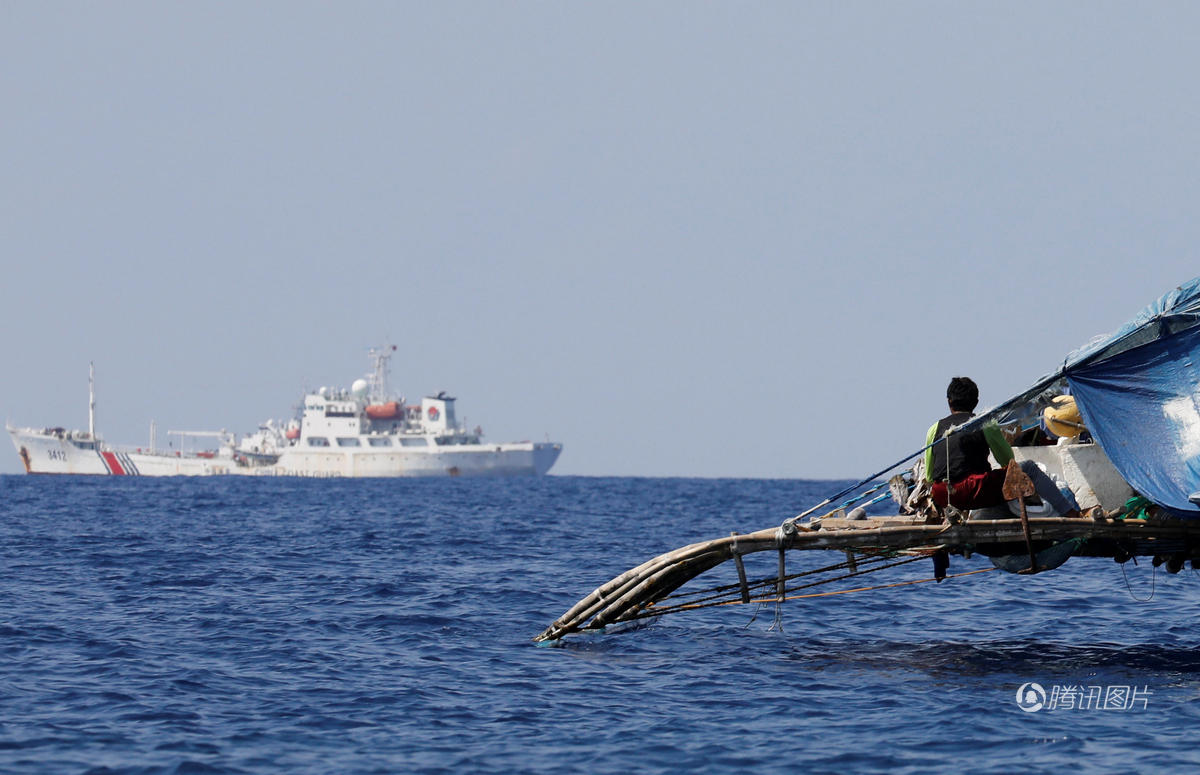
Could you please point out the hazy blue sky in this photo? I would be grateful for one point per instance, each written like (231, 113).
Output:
(739, 239)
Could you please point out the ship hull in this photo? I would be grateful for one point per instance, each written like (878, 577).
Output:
(53, 454)
(50, 453)
(513, 459)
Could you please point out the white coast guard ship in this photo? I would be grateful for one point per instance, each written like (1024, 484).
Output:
(360, 432)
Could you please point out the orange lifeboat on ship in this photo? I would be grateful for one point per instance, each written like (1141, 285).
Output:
(389, 411)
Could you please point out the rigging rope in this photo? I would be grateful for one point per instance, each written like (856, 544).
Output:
(868, 480)
(649, 612)
(712, 592)
(866, 505)
(780, 595)
(970, 424)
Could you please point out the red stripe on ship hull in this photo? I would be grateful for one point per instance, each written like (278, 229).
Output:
(114, 467)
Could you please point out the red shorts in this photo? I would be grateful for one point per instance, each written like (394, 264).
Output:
(977, 491)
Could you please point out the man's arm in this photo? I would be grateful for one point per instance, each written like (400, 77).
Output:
(997, 443)
(929, 439)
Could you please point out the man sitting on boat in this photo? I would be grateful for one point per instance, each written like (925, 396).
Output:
(958, 468)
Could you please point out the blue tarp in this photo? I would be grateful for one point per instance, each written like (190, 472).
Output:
(1176, 311)
(1139, 392)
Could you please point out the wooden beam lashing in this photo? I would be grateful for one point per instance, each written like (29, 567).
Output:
(741, 569)
(780, 586)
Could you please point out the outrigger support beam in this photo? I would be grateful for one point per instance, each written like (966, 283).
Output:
(633, 594)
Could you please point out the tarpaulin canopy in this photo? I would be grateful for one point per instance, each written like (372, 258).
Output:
(1139, 392)
(1176, 312)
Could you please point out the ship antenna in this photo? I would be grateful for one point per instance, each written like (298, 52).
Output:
(91, 399)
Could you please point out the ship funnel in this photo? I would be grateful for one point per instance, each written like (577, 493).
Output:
(437, 413)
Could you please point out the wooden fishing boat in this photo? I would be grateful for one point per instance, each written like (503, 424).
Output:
(1130, 459)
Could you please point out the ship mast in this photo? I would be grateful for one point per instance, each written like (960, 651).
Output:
(91, 400)
(378, 378)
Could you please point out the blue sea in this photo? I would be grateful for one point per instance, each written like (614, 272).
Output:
(226, 625)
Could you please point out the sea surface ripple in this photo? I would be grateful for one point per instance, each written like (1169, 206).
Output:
(227, 625)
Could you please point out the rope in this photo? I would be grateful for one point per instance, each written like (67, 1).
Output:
(715, 592)
(976, 421)
(866, 505)
(949, 484)
(780, 595)
(1153, 576)
(691, 607)
(741, 570)
(971, 423)
(857, 573)
(889, 586)
(864, 494)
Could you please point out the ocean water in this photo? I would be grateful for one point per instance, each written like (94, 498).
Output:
(292, 626)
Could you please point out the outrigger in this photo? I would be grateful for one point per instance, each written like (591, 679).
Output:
(1127, 452)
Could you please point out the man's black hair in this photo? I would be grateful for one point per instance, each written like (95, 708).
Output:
(962, 394)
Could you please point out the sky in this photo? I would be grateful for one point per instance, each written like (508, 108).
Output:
(680, 238)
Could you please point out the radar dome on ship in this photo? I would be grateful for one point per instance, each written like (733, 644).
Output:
(359, 387)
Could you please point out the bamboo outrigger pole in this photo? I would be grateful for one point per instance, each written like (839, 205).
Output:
(633, 594)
